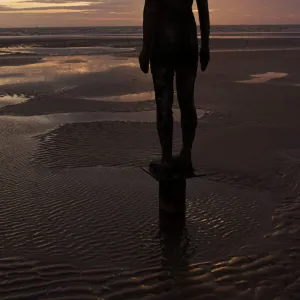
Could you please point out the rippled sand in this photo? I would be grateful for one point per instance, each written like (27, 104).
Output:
(79, 218)
(84, 219)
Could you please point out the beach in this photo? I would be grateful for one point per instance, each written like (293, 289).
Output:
(79, 218)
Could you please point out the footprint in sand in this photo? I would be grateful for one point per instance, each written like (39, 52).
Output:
(262, 78)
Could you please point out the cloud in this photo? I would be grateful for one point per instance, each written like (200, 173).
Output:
(57, 1)
(129, 12)
(46, 7)
(5, 8)
(211, 10)
(31, 4)
(71, 12)
(118, 6)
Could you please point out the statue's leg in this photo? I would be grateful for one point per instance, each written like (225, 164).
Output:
(186, 73)
(163, 75)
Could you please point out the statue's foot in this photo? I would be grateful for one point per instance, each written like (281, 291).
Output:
(183, 165)
(161, 167)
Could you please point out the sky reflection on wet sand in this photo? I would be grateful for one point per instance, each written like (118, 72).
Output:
(53, 68)
(12, 99)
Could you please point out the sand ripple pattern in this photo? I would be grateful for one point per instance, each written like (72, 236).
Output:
(266, 276)
(110, 216)
(91, 144)
(269, 275)
(69, 217)
(91, 232)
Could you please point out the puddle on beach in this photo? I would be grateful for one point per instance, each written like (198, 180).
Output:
(147, 96)
(12, 99)
(52, 69)
(262, 78)
(66, 51)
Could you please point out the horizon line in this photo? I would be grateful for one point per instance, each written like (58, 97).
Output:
(93, 26)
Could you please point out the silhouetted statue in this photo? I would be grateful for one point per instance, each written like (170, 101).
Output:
(170, 45)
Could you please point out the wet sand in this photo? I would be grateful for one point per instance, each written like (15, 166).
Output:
(79, 219)
(17, 60)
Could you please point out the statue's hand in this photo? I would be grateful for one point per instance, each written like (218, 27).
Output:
(204, 57)
(144, 61)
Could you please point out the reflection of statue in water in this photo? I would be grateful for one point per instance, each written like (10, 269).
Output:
(170, 45)
(175, 261)
(175, 249)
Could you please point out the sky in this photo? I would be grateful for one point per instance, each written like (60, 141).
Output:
(28, 13)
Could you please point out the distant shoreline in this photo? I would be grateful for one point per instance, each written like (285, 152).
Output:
(112, 39)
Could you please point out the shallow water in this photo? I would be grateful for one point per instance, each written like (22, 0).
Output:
(262, 78)
(12, 99)
(57, 69)
(147, 96)
(62, 51)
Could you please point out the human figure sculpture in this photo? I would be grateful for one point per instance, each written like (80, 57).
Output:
(170, 46)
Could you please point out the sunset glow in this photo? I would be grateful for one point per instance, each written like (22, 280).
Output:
(129, 12)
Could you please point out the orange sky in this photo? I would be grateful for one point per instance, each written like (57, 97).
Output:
(17, 13)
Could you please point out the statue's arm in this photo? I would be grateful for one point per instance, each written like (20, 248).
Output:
(149, 24)
(204, 21)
